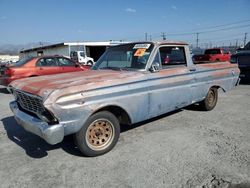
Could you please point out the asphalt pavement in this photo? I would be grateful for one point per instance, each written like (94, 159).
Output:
(185, 148)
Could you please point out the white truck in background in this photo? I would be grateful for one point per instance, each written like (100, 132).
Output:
(81, 57)
(86, 53)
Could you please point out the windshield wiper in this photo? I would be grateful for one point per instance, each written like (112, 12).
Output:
(112, 68)
(120, 68)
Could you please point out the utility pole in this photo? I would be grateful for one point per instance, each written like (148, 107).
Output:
(245, 39)
(197, 40)
(150, 37)
(146, 36)
(236, 44)
(163, 35)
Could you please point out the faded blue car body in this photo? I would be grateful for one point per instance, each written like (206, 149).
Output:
(72, 98)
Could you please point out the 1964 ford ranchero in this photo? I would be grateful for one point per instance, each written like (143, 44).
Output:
(128, 84)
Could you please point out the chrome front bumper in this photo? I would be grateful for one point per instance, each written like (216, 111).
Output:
(52, 134)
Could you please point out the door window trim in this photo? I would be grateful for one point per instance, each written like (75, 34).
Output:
(157, 52)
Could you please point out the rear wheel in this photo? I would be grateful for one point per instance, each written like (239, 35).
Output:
(211, 100)
(99, 134)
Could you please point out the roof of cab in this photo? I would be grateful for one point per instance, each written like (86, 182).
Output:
(163, 42)
(170, 42)
(158, 43)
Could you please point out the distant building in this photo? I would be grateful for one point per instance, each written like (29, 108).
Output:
(8, 58)
(91, 49)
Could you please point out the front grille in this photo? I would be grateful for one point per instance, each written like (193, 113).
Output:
(29, 102)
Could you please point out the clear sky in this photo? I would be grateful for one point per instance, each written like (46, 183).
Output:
(26, 21)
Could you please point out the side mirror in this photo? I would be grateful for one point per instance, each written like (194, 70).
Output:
(155, 67)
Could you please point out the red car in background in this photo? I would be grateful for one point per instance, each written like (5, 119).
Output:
(212, 55)
(37, 66)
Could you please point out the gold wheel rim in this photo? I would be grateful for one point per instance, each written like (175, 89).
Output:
(100, 134)
(210, 98)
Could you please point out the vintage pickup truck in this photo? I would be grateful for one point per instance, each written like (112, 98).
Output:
(128, 84)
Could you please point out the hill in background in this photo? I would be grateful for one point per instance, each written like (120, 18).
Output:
(13, 49)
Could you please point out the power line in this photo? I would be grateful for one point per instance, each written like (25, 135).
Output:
(223, 37)
(163, 35)
(197, 40)
(245, 39)
(208, 31)
(227, 24)
(201, 30)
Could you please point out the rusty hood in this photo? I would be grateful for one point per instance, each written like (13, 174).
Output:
(75, 81)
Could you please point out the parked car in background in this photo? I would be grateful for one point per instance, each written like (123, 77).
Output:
(128, 84)
(37, 66)
(212, 55)
(243, 60)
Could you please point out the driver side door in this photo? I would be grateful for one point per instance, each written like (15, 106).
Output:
(170, 86)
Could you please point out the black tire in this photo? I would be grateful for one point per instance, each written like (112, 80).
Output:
(90, 63)
(98, 135)
(211, 100)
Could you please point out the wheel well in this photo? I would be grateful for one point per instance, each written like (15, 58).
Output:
(218, 87)
(119, 112)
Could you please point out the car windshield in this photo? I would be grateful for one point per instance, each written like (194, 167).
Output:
(23, 61)
(133, 56)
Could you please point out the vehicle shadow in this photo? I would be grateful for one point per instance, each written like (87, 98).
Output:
(33, 145)
(4, 90)
(125, 128)
(194, 107)
(36, 147)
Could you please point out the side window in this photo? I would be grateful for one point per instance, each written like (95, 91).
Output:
(82, 54)
(47, 62)
(172, 56)
(65, 62)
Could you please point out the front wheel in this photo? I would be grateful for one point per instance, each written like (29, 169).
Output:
(90, 63)
(98, 135)
(211, 100)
